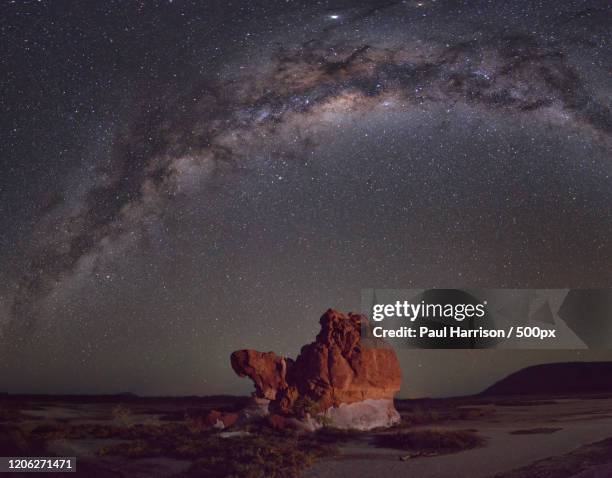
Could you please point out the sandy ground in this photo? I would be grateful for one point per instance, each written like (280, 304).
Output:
(582, 422)
(86, 449)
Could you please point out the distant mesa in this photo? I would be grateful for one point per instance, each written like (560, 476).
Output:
(337, 380)
(556, 379)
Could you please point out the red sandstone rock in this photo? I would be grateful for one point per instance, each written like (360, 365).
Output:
(229, 419)
(212, 418)
(267, 370)
(333, 370)
(217, 419)
(277, 421)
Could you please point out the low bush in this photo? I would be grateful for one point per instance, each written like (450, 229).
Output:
(436, 441)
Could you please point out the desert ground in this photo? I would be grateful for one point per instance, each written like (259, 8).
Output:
(566, 436)
(517, 433)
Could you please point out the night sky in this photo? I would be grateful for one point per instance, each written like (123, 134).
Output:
(182, 179)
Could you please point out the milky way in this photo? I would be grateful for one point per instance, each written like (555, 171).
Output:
(228, 198)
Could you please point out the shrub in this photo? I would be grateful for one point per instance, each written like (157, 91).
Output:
(535, 431)
(336, 435)
(122, 414)
(431, 440)
(424, 416)
(253, 458)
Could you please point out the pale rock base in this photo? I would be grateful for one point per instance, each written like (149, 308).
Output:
(257, 408)
(363, 415)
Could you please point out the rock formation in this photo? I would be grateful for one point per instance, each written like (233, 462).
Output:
(219, 420)
(337, 379)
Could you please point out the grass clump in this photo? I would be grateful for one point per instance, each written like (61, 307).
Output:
(535, 431)
(15, 441)
(266, 453)
(94, 430)
(253, 457)
(433, 441)
(11, 414)
(337, 435)
(419, 415)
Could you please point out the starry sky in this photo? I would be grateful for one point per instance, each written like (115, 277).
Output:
(182, 179)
